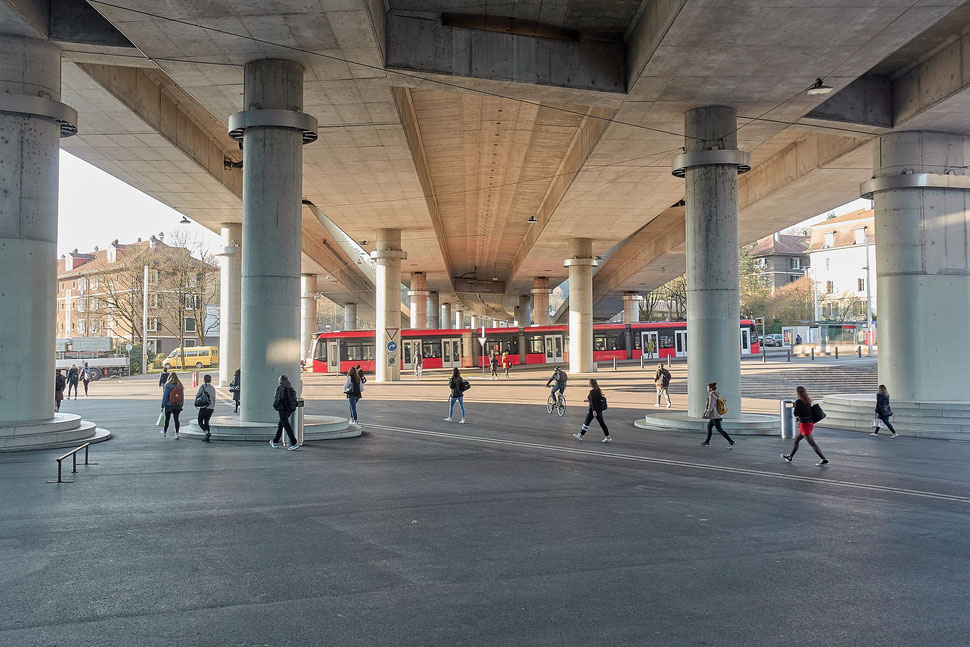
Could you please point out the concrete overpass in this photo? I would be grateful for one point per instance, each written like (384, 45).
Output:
(483, 152)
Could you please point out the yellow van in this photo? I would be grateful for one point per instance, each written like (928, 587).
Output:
(197, 356)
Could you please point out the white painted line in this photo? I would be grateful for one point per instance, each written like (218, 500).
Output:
(675, 463)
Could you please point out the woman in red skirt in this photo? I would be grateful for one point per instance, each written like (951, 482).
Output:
(803, 414)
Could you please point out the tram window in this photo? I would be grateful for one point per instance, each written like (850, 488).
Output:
(320, 352)
(510, 346)
(636, 339)
(431, 349)
(666, 338)
(536, 346)
(608, 341)
(358, 351)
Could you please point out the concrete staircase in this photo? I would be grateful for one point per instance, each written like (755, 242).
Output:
(943, 420)
(232, 428)
(63, 430)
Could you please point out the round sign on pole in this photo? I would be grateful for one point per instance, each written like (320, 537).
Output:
(128, 347)
(391, 346)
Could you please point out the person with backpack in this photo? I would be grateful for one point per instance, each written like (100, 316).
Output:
(506, 362)
(59, 384)
(234, 389)
(883, 411)
(353, 389)
(714, 411)
(458, 385)
(285, 404)
(205, 400)
(597, 405)
(163, 377)
(86, 378)
(662, 380)
(73, 375)
(558, 381)
(493, 364)
(172, 399)
(807, 416)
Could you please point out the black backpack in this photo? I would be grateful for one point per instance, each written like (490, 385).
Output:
(289, 400)
(59, 382)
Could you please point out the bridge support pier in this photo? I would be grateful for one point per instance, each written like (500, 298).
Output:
(350, 316)
(631, 307)
(230, 301)
(432, 310)
(459, 316)
(308, 315)
(419, 300)
(388, 334)
(522, 311)
(580, 265)
(540, 301)
(447, 321)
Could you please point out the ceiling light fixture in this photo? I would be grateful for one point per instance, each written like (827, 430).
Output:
(185, 221)
(818, 88)
(532, 220)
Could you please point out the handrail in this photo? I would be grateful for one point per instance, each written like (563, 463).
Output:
(73, 455)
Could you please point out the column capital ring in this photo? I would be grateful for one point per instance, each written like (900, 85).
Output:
(275, 118)
(913, 181)
(25, 104)
(716, 157)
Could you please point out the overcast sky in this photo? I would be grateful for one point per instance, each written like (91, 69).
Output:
(95, 208)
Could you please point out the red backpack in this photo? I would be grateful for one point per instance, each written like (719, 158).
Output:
(176, 396)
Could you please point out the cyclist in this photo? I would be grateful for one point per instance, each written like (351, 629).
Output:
(559, 377)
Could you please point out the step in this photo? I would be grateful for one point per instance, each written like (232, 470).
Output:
(747, 424)
(83, 432)
(230, 428)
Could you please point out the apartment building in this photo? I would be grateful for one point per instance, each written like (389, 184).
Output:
(838, 258)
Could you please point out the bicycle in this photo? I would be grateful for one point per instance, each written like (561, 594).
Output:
(559, 404)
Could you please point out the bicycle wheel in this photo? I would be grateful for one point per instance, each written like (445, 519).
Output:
(550, 403)
(561, 407)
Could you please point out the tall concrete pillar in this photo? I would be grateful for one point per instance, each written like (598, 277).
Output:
(272, 219)
(388, 334)
(922, 221)
(432, 310)
(350, 316)
(580, 265)
(540, 301)
(631, 307)
(476, 322)
(308, 314)
(459, 316)
(522, 311)
(419, 300)
(710, 165)
(30, 90)
(447, 321)
(230, 301)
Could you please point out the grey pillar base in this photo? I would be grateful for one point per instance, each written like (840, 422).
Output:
(747, 424)
(63, 430)
(946, 420)
(232, 428)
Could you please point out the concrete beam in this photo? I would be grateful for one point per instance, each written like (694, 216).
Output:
(646, 33)
(867, 101)
(77, 22)
(422, 43)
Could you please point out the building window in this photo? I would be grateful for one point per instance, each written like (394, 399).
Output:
(82, 283)
(153, 300)
(859, 234)
(94, 303)
(762, 262)
(152, 277)
(95, 284)
(794, 263)
(153, 346)
(829, 238)
(193, 301)
(829, 287)
(793, 277)
(81, 327)
(190, 343)
(190, 324)
(80, 305)
(861, 285)
(193, 279)
(153, 324)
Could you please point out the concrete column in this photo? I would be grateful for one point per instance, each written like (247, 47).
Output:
(580, 264)
(447, 321)
(459, 316)
(922, 265)
(433, 310)
(230, 301)
(29, 148)
(522, 311)
(713, 297)
(631, 307)
(540, 301)
(388, 334)
(272, 218)
(308, 314)
(350, 316)
(419, 300)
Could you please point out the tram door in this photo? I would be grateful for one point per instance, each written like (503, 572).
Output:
(745, 341)
(333, 357)
(680, 343)
(411, 348)
(451, 353)
(649, 336)
(554, 350)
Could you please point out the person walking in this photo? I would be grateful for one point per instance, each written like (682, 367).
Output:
(493, 364)
(458, 386)
(285, 404)
(651, 347)
(714, 411)
(59, 384)
(173, 396)
(163, 377)
(353, 389)
(205, 400)
(806, 422)
(86, 378)
(418, 363)
(234, 388)
(662, 380)
(73, 375)
(597, 405)
(558, 382)
(506, 363)
(883, 411)
(360, 374)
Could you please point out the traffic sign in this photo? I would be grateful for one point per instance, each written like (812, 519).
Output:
(391, 346)
(128, 347)
(391, 333)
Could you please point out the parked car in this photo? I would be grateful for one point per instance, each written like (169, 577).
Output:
(772, 340)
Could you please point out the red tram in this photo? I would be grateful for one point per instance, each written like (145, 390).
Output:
(338, 351)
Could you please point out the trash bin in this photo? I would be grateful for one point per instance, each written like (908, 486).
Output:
(786, 412)
(298, 421)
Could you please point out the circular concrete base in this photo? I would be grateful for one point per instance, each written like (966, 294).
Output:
(63, 430)
(945, 420)
(747, 424)
(232, 428)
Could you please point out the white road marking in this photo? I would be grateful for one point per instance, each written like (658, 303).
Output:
(675, 463)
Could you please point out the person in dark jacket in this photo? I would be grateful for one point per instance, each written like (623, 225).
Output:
(59, 384)
(803, 414)
(360, 374)
(73, 375)
(285, 405)
(234, 388)
(713, 416)
(163, 377)
(172, 398)
(353, 389)
(883, 411)
(205, 400)
(597, 405)
(558, 382)
(661, 380)
(458, 386)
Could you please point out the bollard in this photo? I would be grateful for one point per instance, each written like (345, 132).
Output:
(764, 356)
(614, 362)
(813, 353)
(195, 378)
(859, 352)
(668, 361)
(641, 360)
(789, 354)
(836, 352)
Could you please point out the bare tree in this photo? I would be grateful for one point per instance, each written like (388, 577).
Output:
(187, 287)
(844, 308)
(119, 292)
